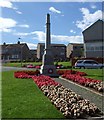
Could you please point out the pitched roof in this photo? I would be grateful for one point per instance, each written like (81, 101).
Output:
(98, 21)
(4, 46)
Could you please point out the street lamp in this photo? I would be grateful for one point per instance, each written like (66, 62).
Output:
(21, 52)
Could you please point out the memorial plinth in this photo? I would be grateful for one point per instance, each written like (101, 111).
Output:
(48, 67)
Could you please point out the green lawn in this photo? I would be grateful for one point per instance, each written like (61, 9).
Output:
(18, 64)
(93, 73)
(21, 98)
(65, 63)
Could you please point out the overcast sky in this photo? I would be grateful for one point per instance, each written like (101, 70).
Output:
(26, 20)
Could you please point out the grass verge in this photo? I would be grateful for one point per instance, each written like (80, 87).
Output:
(18, 64)
(93, 73)
(21, 98)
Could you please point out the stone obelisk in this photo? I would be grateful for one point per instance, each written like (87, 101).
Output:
(48, 67)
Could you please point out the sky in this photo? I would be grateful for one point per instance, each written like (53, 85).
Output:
(27, 20)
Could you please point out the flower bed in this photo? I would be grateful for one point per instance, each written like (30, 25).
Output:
(77, 77)
(21, 75)
(72, 75)
(68, 102)
(61, 72)
(44, 80)
(87, 82)
(25, 74)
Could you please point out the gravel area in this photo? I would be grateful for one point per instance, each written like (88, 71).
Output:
(93, 97)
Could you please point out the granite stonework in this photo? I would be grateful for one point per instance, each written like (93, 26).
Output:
(48, 67)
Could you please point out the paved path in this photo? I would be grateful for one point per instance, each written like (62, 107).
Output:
(93, 97)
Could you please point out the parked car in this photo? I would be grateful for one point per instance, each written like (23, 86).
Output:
(88, 64)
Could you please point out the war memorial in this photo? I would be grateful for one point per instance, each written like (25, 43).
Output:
(48, 67)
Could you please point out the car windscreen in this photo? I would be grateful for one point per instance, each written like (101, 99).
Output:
(80, 61)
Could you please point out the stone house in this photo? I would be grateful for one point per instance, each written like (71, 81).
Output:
(15, 52)
(58, 50)
(75, 50)
(33, 55)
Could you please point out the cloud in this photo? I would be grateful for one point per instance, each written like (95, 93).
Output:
(24, 26)
(67, 39)
(31, 45)
(72, 31)
(9, 4)
(22, 34)
(40, 36)
(18, 12)
(93, 6)
(6, 24)
(52, 9)
(62, 15)
(6, 4)
(88, 18)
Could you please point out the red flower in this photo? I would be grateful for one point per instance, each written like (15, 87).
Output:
(82, 80)
(61, 72)
(44, 80)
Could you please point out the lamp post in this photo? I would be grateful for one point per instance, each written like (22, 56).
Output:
(21, 52)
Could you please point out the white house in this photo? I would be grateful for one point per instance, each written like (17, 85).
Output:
(94, 40)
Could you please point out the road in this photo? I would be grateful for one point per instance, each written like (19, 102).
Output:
(3, 68)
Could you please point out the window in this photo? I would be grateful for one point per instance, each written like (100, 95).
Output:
(75, 47)
(101, 48)
(94, 62)
(92, 48)
(87, 48)
(97, 48)
(80, 61)
(63, 48)
(61, 53)
(15, 56)
(5, 50)
(90, 62)
(87, 62)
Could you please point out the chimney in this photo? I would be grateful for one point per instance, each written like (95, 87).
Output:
(18, 42)
(4, 43)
